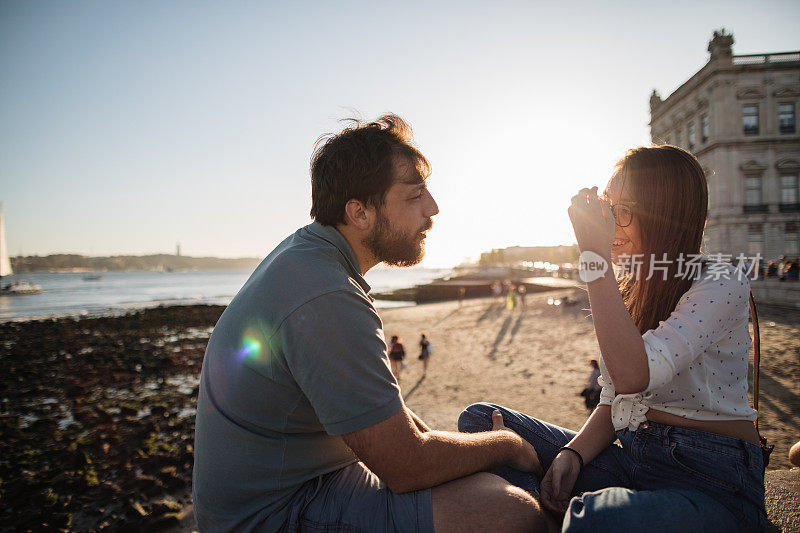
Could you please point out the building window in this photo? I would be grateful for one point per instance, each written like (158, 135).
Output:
(755, 239)
(752, 190)
(791, 243)
(790, 196)
(786, 118)
(704, 129)
(750, 119)
(789, 189)
(691, 135)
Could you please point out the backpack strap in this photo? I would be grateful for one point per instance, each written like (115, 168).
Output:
(766, 449)
(756, 351)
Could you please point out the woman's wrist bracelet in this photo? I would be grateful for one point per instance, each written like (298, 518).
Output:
(576, 452)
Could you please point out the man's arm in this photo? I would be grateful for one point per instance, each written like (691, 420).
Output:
(407, 458)
(422, 426)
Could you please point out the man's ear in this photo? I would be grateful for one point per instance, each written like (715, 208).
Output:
(359, 215)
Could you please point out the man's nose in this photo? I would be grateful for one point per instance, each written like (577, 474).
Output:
(433, 207)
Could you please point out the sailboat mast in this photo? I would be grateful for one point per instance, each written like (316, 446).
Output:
(5, 264)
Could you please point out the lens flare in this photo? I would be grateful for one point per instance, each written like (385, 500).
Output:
(251, 345)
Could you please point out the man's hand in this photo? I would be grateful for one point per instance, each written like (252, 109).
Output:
(559, 481)
(527, 460)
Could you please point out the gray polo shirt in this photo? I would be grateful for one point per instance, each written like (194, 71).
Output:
(296, 359)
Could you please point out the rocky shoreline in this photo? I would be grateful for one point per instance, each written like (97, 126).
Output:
(97, 419)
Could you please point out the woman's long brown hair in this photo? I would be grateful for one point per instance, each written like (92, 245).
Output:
(671, 195)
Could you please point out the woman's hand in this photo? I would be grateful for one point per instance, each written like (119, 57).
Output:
(557, 485)
(528, 459)
(593, 222)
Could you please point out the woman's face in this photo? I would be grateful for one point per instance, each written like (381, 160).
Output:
(627, 240)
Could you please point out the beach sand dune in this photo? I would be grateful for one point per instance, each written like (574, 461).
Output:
(535, 360)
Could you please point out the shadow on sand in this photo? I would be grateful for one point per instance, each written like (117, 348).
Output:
(415, 387)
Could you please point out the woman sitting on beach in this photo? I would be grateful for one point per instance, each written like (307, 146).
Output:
(591, 393)
(673, 336)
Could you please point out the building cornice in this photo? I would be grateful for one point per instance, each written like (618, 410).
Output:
(713, 68)
(749, 143)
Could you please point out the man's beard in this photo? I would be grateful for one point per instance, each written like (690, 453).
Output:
(393, 247)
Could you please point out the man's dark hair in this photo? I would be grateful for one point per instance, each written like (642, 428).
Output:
(357, 163)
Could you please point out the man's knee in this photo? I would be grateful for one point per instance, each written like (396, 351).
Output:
(484, 501)
(511, 500)
(476, 417)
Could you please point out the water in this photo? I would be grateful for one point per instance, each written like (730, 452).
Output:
(68, 294)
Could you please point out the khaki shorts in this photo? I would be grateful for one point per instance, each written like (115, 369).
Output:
(353, 499)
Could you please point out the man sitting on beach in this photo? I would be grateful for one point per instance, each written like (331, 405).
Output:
(300, 422)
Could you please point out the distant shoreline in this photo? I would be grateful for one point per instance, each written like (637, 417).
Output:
(57, 263)
(81, 270)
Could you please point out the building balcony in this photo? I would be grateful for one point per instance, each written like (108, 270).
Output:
(762, 59)
(789, 208)
(755, 208)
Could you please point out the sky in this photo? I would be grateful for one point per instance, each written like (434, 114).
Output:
(127, 127)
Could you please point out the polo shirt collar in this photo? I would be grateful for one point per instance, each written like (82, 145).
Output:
(332, 236)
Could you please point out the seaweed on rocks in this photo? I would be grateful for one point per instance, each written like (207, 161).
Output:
(97, 418)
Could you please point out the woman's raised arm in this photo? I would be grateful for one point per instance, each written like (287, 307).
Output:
(620, 341)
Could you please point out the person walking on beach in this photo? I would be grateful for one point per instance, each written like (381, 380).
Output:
(425, 352)
(521, 291)
(397, 355)
(674, 368)
(497, 291)
(300, 423)
(511, 297)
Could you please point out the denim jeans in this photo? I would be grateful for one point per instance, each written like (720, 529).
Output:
(662, 478)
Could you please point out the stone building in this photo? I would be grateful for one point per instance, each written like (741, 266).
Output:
(738, 115)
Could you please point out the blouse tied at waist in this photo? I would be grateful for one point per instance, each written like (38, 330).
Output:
(627, 410)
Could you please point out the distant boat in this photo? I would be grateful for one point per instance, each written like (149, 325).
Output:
(16, 287)
(20, 287)
(92, 277)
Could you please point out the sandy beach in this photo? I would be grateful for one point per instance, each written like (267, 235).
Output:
(535, 361)
(97, 413)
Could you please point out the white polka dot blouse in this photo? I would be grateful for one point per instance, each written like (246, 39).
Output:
(698, 357)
